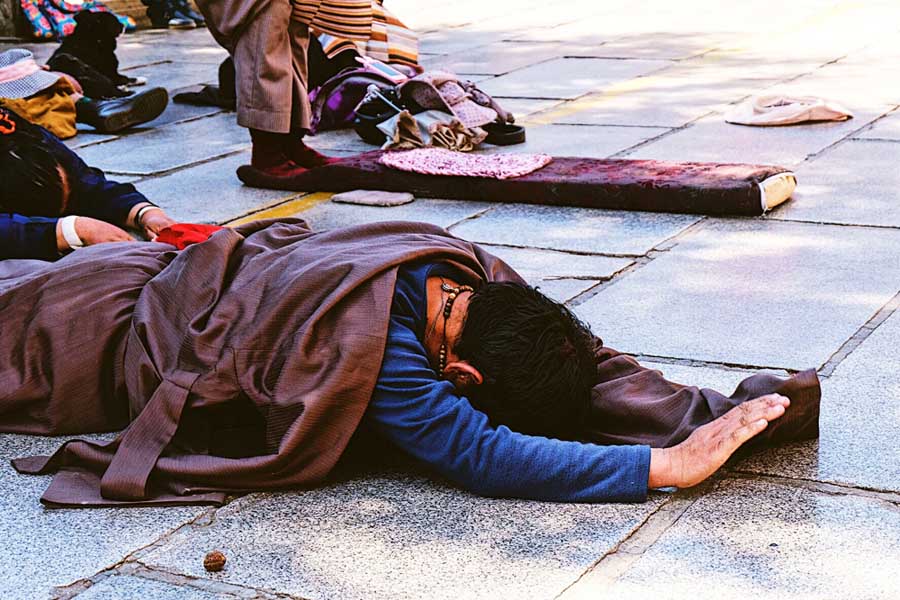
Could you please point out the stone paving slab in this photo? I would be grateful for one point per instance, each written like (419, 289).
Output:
(752, 292)
(44, 548)
(128, 587)
(395, 535)
(712, 139)
(522, 107)
(646, 46)
(443, 213)
(170, 147)
(759, 63)
(860, 422)
(176, 74)
(451, 41)
(175, 112)
(887, 128)
(494, 59)
(856, 182)
(86, 136)
(183, 37)
(567, 78)
(560, 275)
(574, 229)
(135, 52)
(766, 541)
(668, 99)
(579, 140)
(209, 192)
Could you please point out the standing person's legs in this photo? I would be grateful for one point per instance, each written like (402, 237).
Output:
(269, 51)
(264, 70)
(296, 150)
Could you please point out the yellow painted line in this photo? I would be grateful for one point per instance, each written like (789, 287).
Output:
(288, 209)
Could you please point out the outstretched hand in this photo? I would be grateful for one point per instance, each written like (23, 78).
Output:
(155, 221)
(708, 447)
(92, 231)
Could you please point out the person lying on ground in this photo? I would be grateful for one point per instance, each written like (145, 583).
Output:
(52, 202)
(249, 360)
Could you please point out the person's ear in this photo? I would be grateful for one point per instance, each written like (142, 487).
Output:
(462, 374)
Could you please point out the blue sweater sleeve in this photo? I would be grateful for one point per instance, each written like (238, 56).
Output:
(27, 237)
(92, 194)
(424, 417)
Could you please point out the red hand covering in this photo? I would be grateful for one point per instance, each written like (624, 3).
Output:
(182, 235)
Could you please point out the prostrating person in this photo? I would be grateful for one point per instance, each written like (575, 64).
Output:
(248, 361)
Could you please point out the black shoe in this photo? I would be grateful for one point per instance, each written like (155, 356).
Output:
(110, 116)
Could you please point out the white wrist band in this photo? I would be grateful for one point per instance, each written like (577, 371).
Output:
(67, 224)
(141, 211)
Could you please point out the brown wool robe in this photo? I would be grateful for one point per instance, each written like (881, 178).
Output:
(247, 361)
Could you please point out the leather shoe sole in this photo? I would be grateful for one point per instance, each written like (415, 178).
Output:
(115, 115)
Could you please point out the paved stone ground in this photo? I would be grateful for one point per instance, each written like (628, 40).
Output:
(814, 284)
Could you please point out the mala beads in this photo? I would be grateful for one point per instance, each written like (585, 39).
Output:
(452, 294)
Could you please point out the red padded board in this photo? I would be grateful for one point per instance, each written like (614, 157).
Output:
(647, 185)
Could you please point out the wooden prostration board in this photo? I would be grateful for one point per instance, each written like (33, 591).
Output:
(643, 185)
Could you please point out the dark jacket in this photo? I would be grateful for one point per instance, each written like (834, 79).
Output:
(91, 195)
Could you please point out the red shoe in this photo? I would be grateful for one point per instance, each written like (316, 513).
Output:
(303, 155)
(279, 176)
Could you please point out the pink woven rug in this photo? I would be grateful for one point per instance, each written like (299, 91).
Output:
(438, 161)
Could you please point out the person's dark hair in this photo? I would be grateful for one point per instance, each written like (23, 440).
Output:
(30, 182)
(536, 358)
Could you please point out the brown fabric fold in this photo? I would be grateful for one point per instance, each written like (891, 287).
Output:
(632, 404)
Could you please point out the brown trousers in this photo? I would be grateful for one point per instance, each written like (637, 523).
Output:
(269, 50)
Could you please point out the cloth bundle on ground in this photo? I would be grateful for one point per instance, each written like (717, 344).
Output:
(649, 185)
(429, 130)
(246, 362)
(775, 109)
(56, 19)
(471, 115)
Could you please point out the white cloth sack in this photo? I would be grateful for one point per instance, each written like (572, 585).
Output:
(786, 110)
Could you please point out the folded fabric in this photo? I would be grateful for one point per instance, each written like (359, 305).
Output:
(406, 131)
(438, 161)
(443, 91)
(20, 75)
(182, 235)
(786, 110)
(52, 108)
